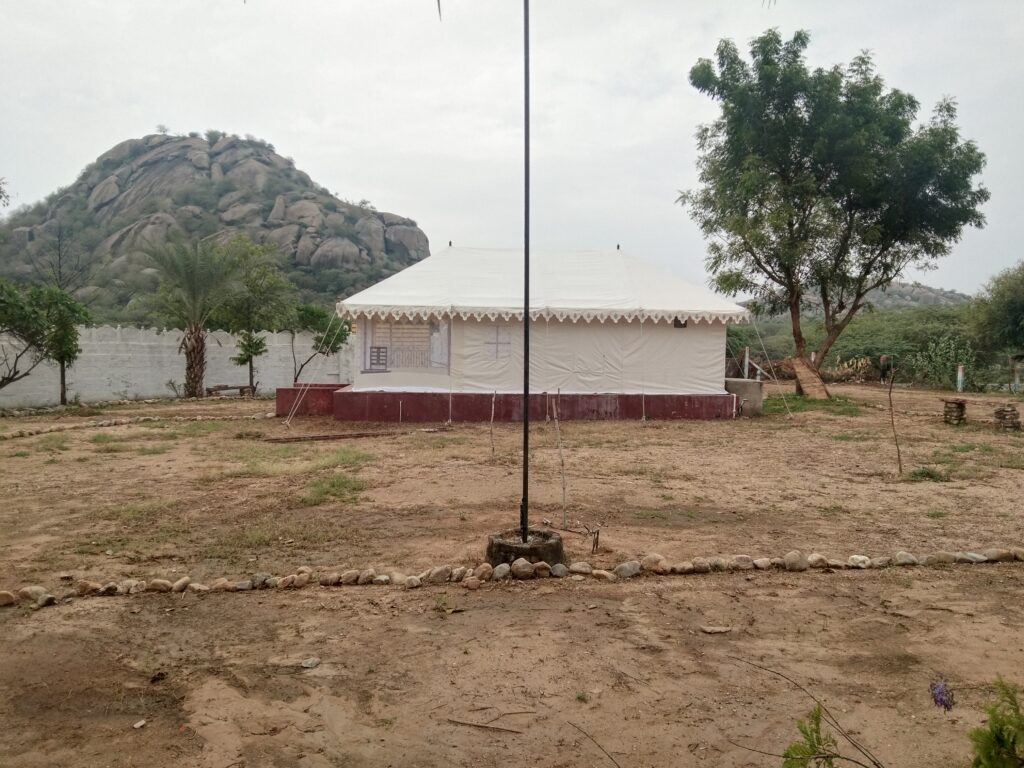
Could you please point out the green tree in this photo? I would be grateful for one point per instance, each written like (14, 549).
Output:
(329, 331)
(196, 279)
(60, 263)
(264, 301)
(5, 197)
(997, 313)
(817, 184)
(36, 324)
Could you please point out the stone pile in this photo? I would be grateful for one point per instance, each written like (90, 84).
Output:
(1007, 418)
(653, 564)
(955, 412)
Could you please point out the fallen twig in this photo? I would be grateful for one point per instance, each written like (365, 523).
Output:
(827, 714)
(607, 754)
(483, 725)
(823, 756)
(516, 712)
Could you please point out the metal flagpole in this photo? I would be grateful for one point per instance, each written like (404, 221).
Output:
(524, 505)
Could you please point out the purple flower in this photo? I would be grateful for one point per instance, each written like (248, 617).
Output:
(942, 695)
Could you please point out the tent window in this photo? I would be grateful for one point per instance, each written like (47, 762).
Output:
(499, 343)
(404, 346)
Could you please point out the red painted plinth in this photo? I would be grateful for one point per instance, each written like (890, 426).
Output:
(317, 399)
(467, 406)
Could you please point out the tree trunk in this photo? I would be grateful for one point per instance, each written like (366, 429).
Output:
(799, 342)
(194, 346)
(63, 384)
(252, 377)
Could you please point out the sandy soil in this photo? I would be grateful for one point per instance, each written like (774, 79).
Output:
(218, 677)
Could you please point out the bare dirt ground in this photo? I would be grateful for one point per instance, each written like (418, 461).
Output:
(218, 677)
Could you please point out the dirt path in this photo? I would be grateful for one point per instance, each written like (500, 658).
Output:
(219, 682)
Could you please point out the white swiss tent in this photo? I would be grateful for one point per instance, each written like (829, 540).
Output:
(601, 322)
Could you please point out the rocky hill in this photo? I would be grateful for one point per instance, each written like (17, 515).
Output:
(900, 295)
(141, 192)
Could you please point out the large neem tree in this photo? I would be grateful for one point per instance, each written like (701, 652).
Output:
(817, 187)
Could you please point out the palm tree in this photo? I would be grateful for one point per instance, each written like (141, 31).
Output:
(196, 278)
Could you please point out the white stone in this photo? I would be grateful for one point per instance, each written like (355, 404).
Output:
(522, 569)
(439, 575)
(501, 571)
(796, 561)
(701, 565)
(654, 563)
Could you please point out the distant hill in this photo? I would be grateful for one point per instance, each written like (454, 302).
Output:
(142, 191)
(900, 295)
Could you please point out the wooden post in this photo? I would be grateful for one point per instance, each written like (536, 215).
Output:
(561, 455)
(494, 396)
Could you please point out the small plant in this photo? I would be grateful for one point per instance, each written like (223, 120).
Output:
(582, 697)
(815, 749)
(927, 473)
(942, 695)
(441, 602)
(53, 443)
(1001, 743)
(935, 514)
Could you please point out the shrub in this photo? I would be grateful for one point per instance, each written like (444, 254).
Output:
(927, 473)
(1001, 743)
(936, 364)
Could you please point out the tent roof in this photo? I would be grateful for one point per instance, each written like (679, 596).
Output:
(481, 283)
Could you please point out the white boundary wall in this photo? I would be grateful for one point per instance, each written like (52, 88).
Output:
(126, 363)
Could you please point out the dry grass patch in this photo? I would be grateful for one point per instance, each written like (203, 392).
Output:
(340, 487)
(294, 459)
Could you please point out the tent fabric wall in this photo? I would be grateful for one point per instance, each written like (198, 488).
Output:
(572, 357)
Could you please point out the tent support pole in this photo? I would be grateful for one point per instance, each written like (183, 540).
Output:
(524, 505)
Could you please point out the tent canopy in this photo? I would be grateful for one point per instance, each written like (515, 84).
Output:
(487, 284)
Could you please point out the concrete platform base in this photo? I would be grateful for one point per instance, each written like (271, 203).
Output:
(433, 407)
(469, 407)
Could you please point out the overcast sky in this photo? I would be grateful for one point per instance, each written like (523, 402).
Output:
(378, 99)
